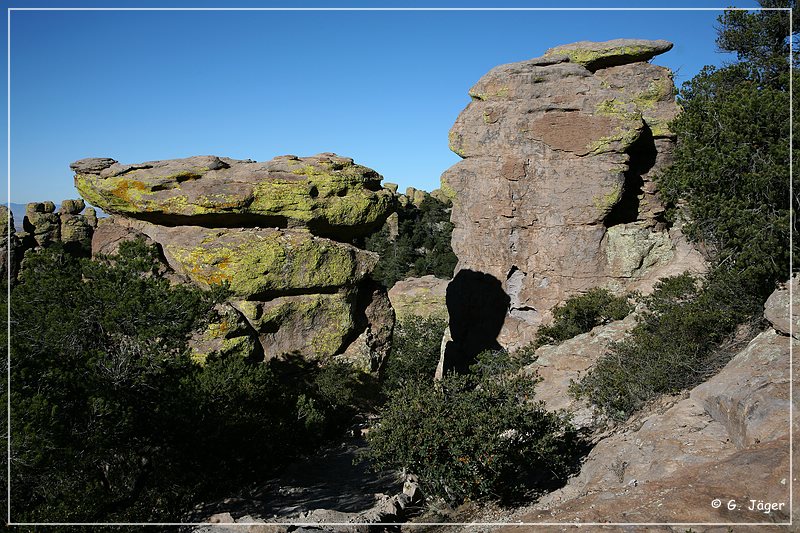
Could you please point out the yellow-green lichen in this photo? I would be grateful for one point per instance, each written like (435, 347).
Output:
(272, 262)
(501, 92)
(657, 91)
(618, 109)
(455, 144)
(321, 321)
(448, 191)
(628, 129)
(592, 57)
(605, 202)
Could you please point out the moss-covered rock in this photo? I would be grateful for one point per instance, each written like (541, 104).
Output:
(330, 195)
(259, 263)
(596, 55)
(311, 325)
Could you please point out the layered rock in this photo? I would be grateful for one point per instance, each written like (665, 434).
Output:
(328, 194)
(265, 231)
(554, 194)
(423, 296)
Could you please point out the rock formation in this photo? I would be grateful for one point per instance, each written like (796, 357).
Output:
(555, 192)
(72, 225)
(728, 438)
(278, 233)
(423, 296)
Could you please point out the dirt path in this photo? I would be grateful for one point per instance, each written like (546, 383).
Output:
(327, 480)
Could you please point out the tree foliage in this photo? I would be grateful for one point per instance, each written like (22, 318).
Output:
(475, 436)
(581, 313)
(415, 353)
(111, 421)
(421, 246)
(731, 168)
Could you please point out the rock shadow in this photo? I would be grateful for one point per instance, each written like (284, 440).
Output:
(643, 153)
(477, 306)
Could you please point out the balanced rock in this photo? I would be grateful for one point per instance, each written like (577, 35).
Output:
(594, 55)
(326, 193)
(555, 194)
(256, 228)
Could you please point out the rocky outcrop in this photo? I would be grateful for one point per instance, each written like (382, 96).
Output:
(726, 439)
(72, 226)
(555, 192)
(558, 366)
(275, 233)
(328, 194)
(423, 296)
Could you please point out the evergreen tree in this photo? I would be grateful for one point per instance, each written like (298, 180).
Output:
(731, 169)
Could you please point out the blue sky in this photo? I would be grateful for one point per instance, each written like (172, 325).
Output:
(381, 87)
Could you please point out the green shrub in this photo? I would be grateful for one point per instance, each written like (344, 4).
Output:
(421, 247)
(476, 436)
(415, 352)
(581, 313)
(673, 346)
(111, 421)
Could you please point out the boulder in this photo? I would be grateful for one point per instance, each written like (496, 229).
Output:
(109, 234)
(751, 397)
(229, 335)
(328, 194)
(556, 179)
(276, 233)
(777, 312)
(557, 366)
(76, 230)
(293, 293)
(42, 223)
(423, 296)
(314, 326)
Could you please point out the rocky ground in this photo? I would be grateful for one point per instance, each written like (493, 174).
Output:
(727, 439)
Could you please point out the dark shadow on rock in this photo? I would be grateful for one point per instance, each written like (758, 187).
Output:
(642, 154)
(477, 305)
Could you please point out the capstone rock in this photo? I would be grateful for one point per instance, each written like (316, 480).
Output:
(330, 195)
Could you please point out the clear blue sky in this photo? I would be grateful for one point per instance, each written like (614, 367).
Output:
(381, 87)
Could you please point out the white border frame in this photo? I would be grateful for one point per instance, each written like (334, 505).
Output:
(9, 10)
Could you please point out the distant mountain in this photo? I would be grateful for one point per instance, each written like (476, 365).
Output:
(18, 210)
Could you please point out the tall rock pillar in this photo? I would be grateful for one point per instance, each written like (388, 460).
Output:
(555, 192)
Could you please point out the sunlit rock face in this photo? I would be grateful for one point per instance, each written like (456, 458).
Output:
(278, 234)
(555, 192)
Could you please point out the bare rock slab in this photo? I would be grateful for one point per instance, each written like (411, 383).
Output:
(596, 55)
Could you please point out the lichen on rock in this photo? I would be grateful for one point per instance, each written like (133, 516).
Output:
(272, 233)
(328, 194)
